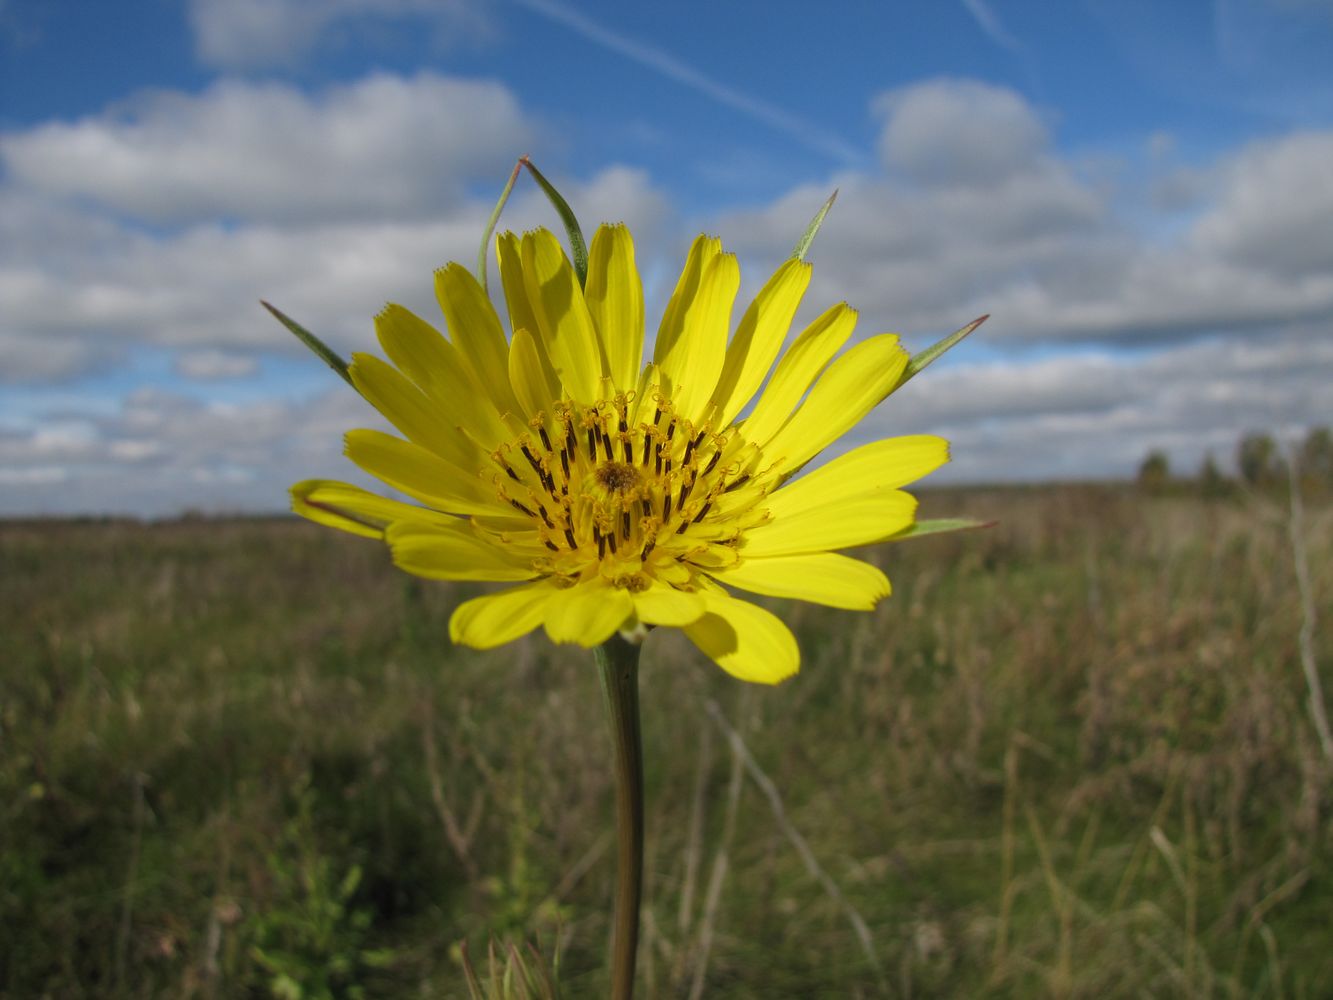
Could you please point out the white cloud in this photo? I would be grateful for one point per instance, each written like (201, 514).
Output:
(1236, 297)
(384, 147)
(1275, 210)
(977, 212)
(241, 34)
(205, 365)
(959, 132)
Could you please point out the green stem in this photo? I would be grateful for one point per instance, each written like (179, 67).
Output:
(618, 662)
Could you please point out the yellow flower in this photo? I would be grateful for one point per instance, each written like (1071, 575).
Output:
(619, 494)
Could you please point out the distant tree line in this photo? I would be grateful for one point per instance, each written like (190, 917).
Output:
(1260, 464)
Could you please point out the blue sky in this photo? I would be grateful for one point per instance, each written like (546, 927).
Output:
(1138, 192)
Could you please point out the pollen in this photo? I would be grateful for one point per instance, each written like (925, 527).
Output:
(627, 492)
(618, 477)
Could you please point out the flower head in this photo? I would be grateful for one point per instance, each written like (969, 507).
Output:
(619, 494)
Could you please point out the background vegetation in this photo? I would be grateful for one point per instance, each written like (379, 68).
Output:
(1071, 756)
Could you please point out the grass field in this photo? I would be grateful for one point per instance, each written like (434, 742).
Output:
(1071, 756)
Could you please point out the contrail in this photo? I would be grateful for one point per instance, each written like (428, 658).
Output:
(667, 65)
(991, 26)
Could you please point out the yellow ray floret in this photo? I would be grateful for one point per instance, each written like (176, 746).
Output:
(618, 494)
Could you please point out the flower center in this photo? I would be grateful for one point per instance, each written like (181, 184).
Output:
(618, 477)
(626, 487)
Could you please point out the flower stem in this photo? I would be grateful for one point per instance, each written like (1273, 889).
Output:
(618, 662)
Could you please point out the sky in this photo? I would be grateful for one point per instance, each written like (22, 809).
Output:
(1139, 193)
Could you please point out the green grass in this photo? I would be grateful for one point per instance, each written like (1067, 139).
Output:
(1071, 756)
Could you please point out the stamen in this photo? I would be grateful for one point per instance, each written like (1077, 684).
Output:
(546, 440)
(712, 462)
(532, 460)
(569, 537)
(738, 483)
(520, 506)
(702, 511)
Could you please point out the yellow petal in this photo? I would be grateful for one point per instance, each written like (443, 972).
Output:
(494, 619)
(476, 331)
(664, 605)
(454, 552)
(745, 640)
(799, 367)
(759, 337)
(535, 384)
(822, 577)
(588, 613)
(802, 524)
(439, 369)
(421, 474)
(880, 465)
(509, 254)
(563, 323)
(845, 393)
(411, 410)
(702, 252)
(694, 360)
(614, 295)
(354, 510)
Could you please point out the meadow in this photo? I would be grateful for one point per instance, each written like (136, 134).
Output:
(1071, 756)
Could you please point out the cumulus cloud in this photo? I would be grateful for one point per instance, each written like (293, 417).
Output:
(200, 288)
(159, 453)
(959, 132)
(328, 205)
(249, 34)
(1097, 416)
(209, 365)
(110, 243)
(384, 147)
(977, 212)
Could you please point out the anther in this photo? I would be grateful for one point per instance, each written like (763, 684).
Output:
(712, 462)
(546, 440)
(702, 511)
(569, 537)
(738, 483)
(532, 460)
(520, 506)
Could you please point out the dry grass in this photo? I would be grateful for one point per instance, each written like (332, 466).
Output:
(1072, 756)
